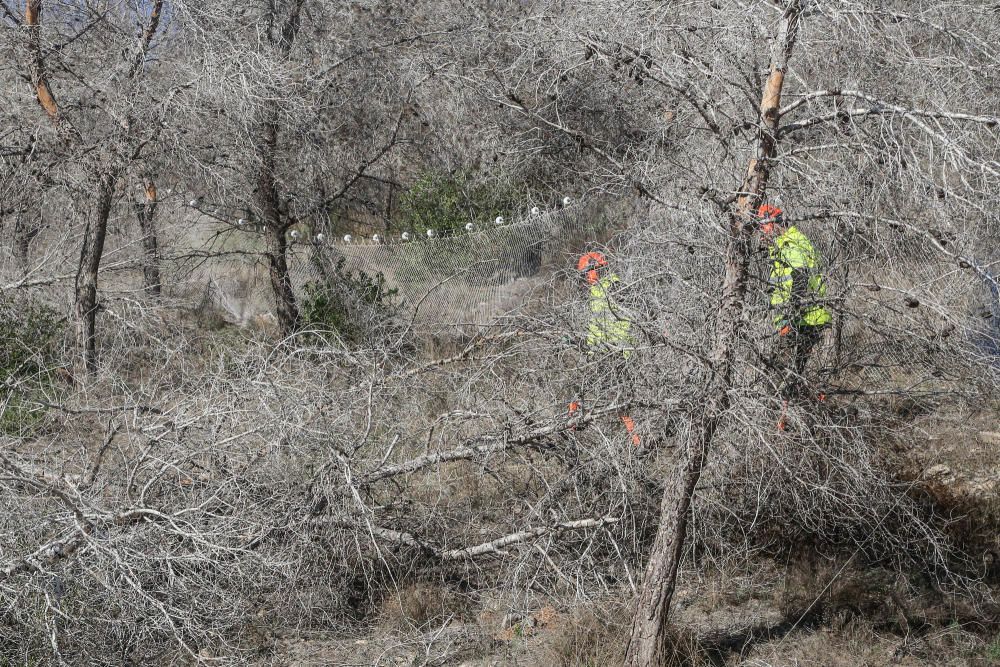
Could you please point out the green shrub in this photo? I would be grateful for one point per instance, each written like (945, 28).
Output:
(447, 202)
(993, 650)
(28, 345)
(352, 305)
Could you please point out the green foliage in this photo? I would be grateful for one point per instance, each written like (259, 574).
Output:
(28, 337)
(351, 305)
(993, 650)
(447, 202)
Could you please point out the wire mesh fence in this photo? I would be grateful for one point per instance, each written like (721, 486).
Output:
(467, 279)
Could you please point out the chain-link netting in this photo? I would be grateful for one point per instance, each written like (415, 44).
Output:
(467, 278)
(888, 288)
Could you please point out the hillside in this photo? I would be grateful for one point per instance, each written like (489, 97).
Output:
(499, 333)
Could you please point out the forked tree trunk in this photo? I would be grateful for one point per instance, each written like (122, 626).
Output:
(91, 251)
(648, 642)
(145, 210)
(85, 297)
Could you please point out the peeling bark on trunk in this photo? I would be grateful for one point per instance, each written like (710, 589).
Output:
(145, 211)
(39, 77)
(85, 301)
(86, 278)
(32, 19)
(648, 642)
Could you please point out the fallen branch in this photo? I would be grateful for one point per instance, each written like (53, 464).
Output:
(43, 556)
(465, 453)
(464, 355)
(486, 548)
(494, 546)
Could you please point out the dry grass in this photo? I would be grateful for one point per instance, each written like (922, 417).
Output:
(592, 635)
(419, 606)
(857, 644)
(595, 636)
(955, 458)
(824, 592)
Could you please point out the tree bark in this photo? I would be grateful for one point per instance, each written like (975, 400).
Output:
(281, 34)
(39, 77)
(275, 227)
(648, 644)
(91, 251)
(287, 310)
(145, 211)
(85, 297)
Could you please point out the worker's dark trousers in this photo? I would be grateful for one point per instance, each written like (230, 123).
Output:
(621, 377)
(795, 348)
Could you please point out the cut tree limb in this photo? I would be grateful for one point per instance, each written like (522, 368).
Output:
(145, 210)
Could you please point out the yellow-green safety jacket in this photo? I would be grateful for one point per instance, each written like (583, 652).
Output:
(607, 326)
(794, 260)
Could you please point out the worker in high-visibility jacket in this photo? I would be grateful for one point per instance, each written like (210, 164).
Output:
(797, 287)
(608, 327)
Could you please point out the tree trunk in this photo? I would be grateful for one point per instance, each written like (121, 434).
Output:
(287, 311)
(649, 641)
(277, 247)
(86, 277)
(39, 76)
(150, 253)
(281, 34)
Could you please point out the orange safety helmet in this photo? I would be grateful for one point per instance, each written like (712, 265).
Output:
(589, 263)
(769, 215)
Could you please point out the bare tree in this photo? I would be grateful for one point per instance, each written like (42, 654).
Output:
(648, 644)
(308, 113)
(99, 170)
(684, 108)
